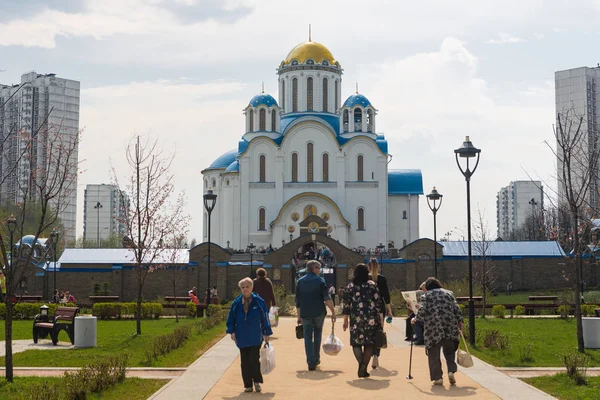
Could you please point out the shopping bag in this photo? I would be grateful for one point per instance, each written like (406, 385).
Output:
(380, 339)
(267, 359)
(274, 316)
(463, 358)
(299, 332)
(332, 345)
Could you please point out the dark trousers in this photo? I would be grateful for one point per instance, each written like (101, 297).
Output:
(313, 331)
(250, 357)
(449, 347)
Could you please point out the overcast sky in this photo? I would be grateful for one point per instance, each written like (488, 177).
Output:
(436, 71)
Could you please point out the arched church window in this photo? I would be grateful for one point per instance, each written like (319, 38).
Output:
(325, 167)
(325, 94)
(359, 169)
(214, 183)
(295, 62)
(273, 120)
(262, 120)
(361, 219)
(294, 167)
(295, 95)
(309, 162)
(336, 98)
(345, 120)
(309, 62)
(251, 120)
(283, 94)
(357, 120)
(370, 121)
(325, 62)
(309, 94)
(261, 219)
(404, 214)
(262, 168)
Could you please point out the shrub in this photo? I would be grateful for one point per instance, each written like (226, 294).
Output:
(588, 310)
(191, 308)
(223, 302)
(118, 310)
(495, 340)
(213, 309)
(499, 311)
(283, 301)
(564, 310)
(519, 310)
(576, 365)
(162, 345)
(526, 352)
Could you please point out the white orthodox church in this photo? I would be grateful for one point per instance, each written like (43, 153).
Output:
(310, 164)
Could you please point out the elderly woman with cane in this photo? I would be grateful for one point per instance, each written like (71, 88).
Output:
(248, 324)
(442, 320)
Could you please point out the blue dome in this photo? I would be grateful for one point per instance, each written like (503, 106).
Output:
(233, 167)
(263, 99)
(225, 160)
(357, 99)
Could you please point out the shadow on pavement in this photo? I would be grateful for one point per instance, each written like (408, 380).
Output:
(448, 391)
(370, 384)
(252, 395)
(383, 372)
(317, 375)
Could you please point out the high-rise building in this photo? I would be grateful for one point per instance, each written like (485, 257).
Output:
(104, 212)
(516, 203)
(31, 113)
(575, 92)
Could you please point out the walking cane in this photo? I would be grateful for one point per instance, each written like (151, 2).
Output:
(412, 339)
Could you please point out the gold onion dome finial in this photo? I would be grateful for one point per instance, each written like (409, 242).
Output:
(310, 50)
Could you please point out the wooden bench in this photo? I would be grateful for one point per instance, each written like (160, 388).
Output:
(64, 319)
(27, 298)
(183, 299)
(461, 299)
(597, 310)
(182, 303)
(104, 299)
(543, 298)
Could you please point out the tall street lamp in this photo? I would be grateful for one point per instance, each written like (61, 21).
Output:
(468, 151)
(210, 199)
(250, 249)
(533, 203)
(381, 247)
(54, 237)
(11, 224)
(434, 197)
(291, 237)
(98, 206)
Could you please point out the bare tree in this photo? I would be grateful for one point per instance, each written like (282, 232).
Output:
(577, 158)
(155, 214)
(45, 192)
(175, 271)
(484, 266)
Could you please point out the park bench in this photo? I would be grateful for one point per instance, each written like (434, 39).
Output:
(64, 319)
(597, 310)
(465, 299)
(543, 298)
(104, 299)
(27, 298)
(182, 303)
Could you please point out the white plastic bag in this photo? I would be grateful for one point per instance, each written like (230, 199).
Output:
(463, 358)
(274, 316)
(332, 345)
(267, 359)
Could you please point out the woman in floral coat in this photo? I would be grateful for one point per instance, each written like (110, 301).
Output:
(362, 306)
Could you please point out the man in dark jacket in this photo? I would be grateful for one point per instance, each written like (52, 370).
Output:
(311, 297)
(264, 288)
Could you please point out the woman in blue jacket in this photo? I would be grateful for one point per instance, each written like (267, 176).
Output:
(248, 324)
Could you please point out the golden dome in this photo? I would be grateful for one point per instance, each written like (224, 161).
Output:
(310, 50)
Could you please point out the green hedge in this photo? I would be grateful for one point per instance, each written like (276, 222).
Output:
(124, 310)
(30, 310)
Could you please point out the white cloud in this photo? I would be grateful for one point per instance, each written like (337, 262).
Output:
(538, 35)
(505, 38)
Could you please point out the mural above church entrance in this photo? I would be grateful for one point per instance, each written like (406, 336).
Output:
(310, 210)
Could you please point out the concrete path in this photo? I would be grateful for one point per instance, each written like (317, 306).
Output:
(216, 375)
(23, 345)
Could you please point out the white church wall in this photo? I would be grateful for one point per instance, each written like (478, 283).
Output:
(403, 219)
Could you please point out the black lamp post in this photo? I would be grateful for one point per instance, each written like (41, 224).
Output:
(533, 203)
(210, 199)
(291, 237)
(54, 237)
(282, 242)
(434, 197)
(250, 249)
(11, 224)
(468, 151)
(98, 206)
(380, 247)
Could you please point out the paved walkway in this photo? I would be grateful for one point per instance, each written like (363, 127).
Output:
(216, 375)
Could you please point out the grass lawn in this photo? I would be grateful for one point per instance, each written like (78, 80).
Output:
(550, 338)
(563, 387)
(130, 389)
(115, 337)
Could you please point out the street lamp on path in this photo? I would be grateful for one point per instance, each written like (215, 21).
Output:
(380, 247)
(210, 200)
(250, 249)
(54, 237)
(468, 151)
(434, 197)
(98, 206)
